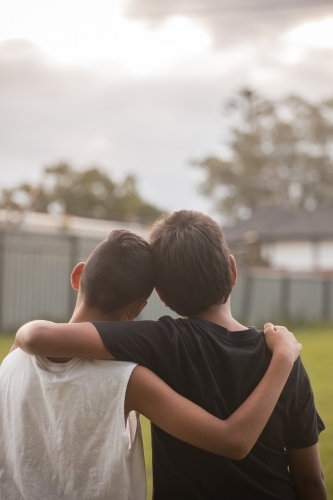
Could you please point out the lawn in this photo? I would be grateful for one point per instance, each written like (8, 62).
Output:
(317, 357)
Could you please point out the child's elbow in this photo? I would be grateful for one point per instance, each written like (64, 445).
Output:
(238, 451)
(28, 336)
(30, 341)
(241, 454)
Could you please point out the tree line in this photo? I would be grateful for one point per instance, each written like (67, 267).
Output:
(278, 152)
(85, 193)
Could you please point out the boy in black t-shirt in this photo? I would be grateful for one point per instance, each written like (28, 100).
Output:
(112, 285)
(210, 358)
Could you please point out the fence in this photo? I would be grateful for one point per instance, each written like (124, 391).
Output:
(34, 283)
(259, 297)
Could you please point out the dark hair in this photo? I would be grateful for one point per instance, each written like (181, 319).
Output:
(191, 259)
(118, 272)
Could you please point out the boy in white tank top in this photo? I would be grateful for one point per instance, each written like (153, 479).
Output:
(69, 428)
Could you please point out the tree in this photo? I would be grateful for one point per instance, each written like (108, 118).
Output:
(87, 193)
(280, 153)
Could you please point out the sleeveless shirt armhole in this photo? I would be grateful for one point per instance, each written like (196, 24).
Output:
(129, 426)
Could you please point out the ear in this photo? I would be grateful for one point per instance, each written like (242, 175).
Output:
(135, 308)
(233, 269)
(76, 275)
(161, 297)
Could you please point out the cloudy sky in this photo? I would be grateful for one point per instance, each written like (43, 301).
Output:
(137, 86)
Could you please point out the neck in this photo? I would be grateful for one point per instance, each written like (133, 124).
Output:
(220, 314)
(84, 314)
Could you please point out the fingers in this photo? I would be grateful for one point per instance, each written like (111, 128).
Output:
(270, 326)
(279, 338)
(275, 327)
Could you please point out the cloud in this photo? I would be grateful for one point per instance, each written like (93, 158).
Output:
(153, 123)
(124, 125)
(231, 22)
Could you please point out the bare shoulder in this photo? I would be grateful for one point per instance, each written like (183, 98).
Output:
(143, 380)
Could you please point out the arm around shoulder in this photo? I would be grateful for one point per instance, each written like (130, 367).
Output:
(307, 474)
(233, 437)
(176, 415)
(77, 340)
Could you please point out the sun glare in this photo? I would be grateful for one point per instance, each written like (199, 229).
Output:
(317, 34)
(73, 31)
(144, 50)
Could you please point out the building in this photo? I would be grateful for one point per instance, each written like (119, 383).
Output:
(296, 241)
(64, 224)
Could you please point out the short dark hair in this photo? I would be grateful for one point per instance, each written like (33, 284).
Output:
(118, 272)
(191, 259)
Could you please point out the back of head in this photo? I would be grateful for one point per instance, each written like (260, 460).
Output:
(191, 259)
(118, 272)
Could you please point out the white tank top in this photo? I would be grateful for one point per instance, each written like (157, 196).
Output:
(63, 433)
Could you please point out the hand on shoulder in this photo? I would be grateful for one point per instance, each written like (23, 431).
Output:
(281, 341)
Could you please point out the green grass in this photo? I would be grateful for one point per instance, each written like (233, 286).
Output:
(6, 342)
(145, 424)
(317, 357)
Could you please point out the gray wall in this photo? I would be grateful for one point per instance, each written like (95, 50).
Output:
(34, 283)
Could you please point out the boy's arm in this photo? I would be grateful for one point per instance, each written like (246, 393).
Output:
(307, 474)
(82, 340)
(232, 438)
(236, 436)
(60, 340)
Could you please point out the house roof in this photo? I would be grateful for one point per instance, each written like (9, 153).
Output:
(37, 222)
(275, 223)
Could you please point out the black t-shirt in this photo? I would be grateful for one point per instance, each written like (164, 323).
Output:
(218, 370)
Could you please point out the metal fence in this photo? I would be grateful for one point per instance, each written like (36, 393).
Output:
(260, 297)
(34, 283)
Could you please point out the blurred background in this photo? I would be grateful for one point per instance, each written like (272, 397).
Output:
(112, 112)
(137, 87)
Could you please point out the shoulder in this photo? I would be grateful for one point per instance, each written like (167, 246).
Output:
(299, 375)
(16, 369)
(15, 359)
